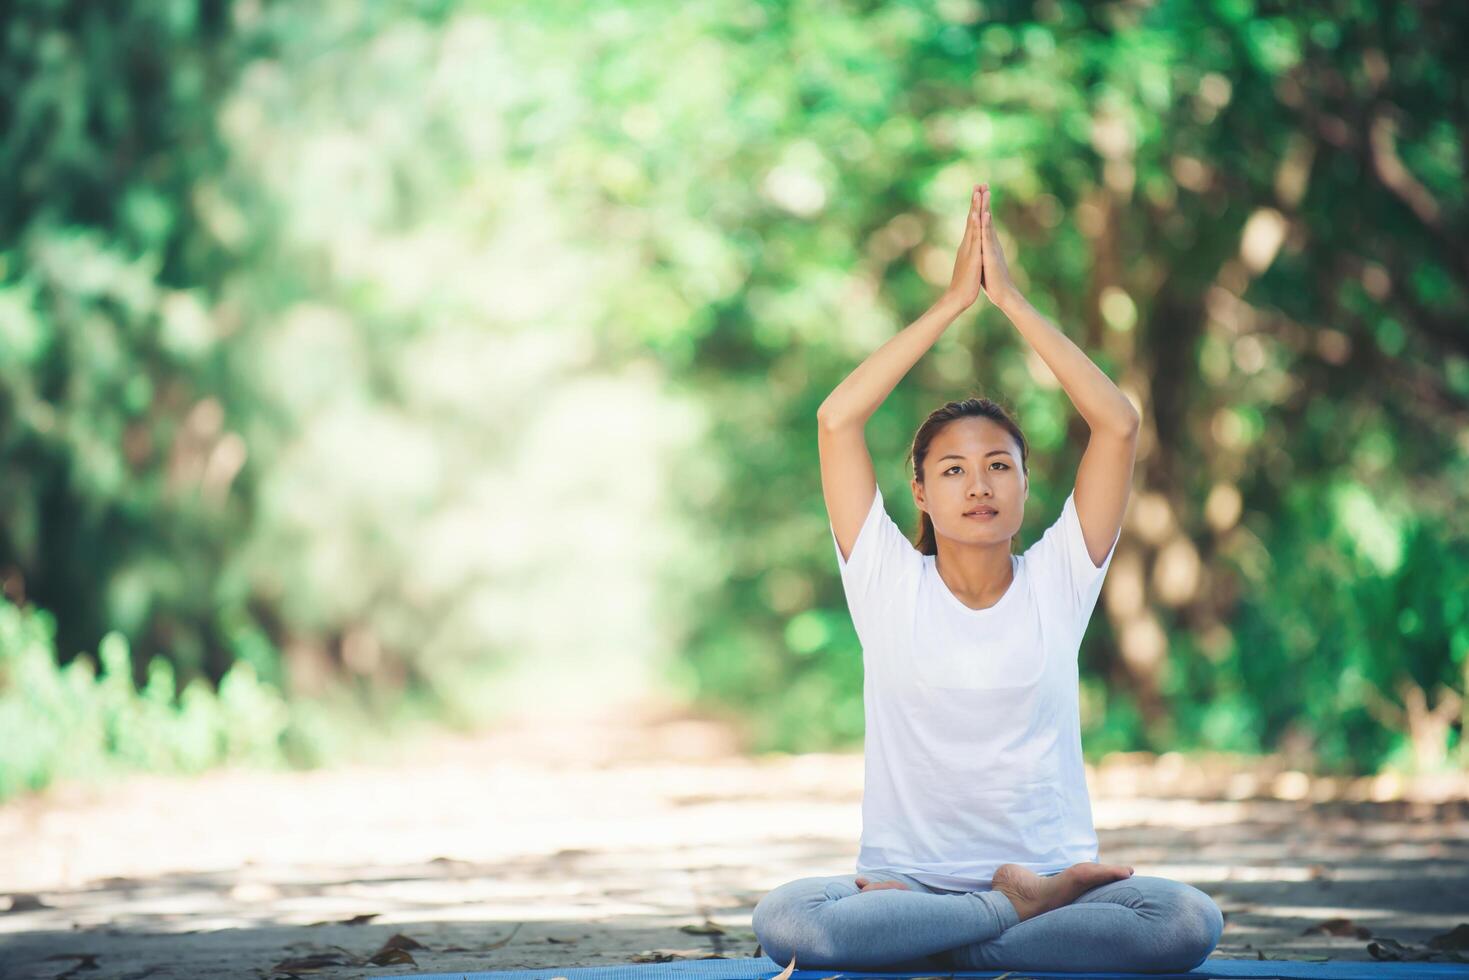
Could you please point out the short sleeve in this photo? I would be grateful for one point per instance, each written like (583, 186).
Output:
(1062, 568)
(882, 558)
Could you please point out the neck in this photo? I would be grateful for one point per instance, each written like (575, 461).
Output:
(977, 575)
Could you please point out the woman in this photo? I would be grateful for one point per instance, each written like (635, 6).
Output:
(978, 850)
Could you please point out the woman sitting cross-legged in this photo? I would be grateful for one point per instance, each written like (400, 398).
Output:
(978, 850)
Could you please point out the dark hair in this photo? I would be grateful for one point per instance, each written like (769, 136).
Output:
(932, 426)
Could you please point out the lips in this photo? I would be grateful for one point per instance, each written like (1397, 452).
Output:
(981, 512)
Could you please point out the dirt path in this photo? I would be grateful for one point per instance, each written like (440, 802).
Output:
(574, 844)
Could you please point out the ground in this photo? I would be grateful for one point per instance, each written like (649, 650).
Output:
(596, 841)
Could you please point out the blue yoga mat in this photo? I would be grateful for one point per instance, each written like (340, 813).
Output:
(764, 968)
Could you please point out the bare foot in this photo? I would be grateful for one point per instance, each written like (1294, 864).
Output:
(867, 885)
(1032, 894)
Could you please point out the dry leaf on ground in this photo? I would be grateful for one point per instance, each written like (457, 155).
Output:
(1455, 938)
(1391, 949)
(1338, 927)
(502, 942)
(26, 902)
(666, 955)
(315, 961)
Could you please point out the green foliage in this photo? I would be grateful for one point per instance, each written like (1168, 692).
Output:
(74, 722)
(452, 354)
(1183, 197)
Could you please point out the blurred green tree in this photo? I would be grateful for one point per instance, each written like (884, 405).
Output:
(302, 308)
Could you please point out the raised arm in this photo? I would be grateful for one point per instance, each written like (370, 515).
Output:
(847, 479)
(1104, 477)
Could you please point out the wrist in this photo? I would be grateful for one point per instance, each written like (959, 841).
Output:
(950, 305)
(1011, 304)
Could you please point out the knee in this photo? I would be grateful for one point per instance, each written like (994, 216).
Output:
(765, 922)
(1199, 924)
(776, 923)
(1184, 925)
(1210, 923)
(786, 924)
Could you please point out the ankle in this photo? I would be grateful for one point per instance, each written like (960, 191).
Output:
(1008, 911)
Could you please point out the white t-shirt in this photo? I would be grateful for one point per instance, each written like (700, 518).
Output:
(973, 745)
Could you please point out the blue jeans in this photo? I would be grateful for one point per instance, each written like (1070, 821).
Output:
(1139, 925)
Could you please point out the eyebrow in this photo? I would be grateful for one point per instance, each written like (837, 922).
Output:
(992, 452)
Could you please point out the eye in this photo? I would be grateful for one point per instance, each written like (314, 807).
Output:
(951, 469)
(1000, 465)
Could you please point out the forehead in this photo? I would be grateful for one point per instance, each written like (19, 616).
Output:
(972, 437)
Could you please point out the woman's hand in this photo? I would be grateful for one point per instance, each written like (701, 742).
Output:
(995, 279)
(965, 284)
(865, 885)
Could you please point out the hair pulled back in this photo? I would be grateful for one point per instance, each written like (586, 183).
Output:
(939, 418)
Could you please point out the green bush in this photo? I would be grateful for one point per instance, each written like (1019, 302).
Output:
(73, 723)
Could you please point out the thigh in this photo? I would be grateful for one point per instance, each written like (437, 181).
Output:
(1142, 923)
(1146, 891)
(802, 895)
(783, 916)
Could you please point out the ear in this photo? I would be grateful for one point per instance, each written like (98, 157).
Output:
(917, 489)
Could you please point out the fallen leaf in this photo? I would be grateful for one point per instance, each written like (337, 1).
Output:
(315, 961)
(26, 902)
(1391, 949)
(502, 942)
(1455, 938)
(116, 881)
(356, 920)
(395, 950)
(666, 955)
(400, 941)
(140, 974)
(1261, 954)
(356, 960)
(707, 929)
(471, 949)
(1338, 927)
(1386, 949)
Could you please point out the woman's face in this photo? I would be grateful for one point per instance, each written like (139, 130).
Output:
(973, 463)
